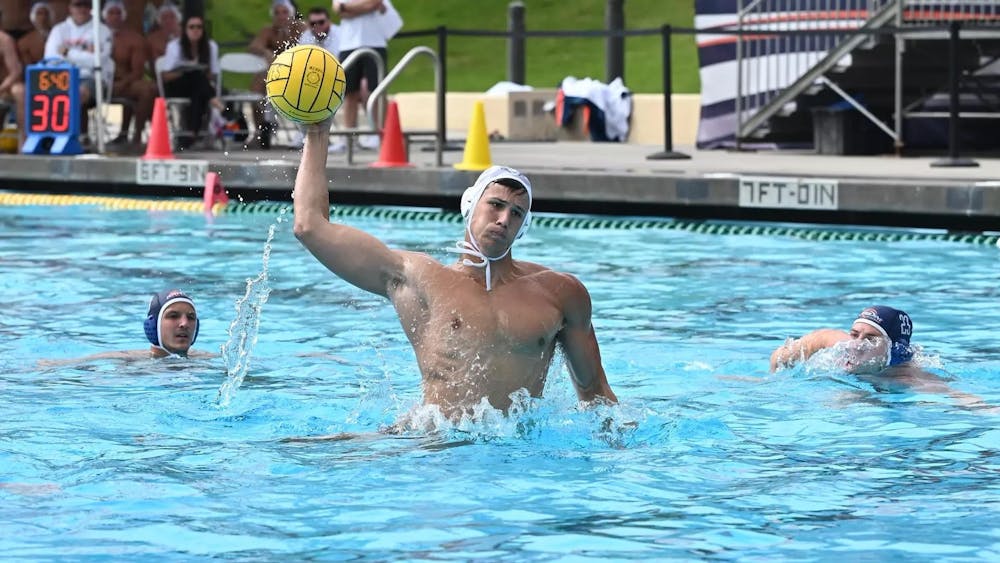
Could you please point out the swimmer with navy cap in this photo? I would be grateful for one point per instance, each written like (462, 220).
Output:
(878, 339)
(171, 324)
(877, 350)
(171, 327)
(484, 327)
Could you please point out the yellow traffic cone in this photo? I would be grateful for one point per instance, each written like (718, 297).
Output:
(477, 143)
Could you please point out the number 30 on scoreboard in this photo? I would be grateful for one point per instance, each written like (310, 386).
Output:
(53, 115)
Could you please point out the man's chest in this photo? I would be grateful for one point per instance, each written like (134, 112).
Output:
(519, 317)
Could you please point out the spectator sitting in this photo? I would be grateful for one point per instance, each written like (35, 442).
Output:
(271, 41)
(168, 28)
(191, 68)
(11, 83)
(73, 41)
(31, 47)
(14, 18)
(131, 55)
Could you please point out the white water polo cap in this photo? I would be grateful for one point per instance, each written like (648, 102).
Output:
(471, 197)
(474, 193)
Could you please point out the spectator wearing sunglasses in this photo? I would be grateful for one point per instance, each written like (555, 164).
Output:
(191, 69)
(321, 31)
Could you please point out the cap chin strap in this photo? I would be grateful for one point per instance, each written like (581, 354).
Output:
(472, 248)
(889, 342)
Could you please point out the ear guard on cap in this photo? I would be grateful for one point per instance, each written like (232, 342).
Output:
(157, 305)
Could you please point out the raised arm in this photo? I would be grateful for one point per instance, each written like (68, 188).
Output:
(579, 344)
(796, 350)
(354, 8)
(354, 255)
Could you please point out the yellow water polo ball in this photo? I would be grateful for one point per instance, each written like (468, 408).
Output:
(306, 84)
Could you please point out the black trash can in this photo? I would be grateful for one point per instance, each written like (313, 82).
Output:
(845, 131)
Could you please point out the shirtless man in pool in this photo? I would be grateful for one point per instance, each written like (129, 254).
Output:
(171, 326)
(877, 349)
(482, 327)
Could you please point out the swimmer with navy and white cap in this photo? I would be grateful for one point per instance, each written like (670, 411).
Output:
(483, 328)
(171, 324)
(878, 339)
(878, 351)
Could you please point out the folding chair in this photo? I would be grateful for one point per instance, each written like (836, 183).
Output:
(114, 100)
(236, 64)
(175, 106)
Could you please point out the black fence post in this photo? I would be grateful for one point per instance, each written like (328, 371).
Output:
(614, 48)
(515, 42)
(668, 152)
(954, 68)
(442, 102)
(442, 46)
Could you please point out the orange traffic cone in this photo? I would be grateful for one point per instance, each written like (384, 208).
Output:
(393, 153)
(158, 146)
(477, 142)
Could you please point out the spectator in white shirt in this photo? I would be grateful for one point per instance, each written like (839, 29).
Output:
(73, 41)
(321, 31)
(191, 69)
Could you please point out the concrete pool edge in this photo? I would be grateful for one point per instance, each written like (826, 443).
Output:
(695, 191)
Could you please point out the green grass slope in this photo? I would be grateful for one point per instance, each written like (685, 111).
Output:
(476, 63)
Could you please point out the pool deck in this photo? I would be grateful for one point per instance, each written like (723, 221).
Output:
(582, 177)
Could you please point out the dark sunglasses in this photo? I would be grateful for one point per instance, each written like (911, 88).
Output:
(317, 22)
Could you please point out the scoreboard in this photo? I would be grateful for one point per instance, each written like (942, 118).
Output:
(52, 105)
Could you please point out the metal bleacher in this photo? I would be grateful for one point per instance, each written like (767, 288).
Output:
(887, 59)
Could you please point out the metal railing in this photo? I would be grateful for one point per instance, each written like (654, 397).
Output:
(347, 63)
(413, 53)
(781, 54)
(376, 118)
(774, 68)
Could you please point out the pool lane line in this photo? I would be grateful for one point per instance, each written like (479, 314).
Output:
(545, 221)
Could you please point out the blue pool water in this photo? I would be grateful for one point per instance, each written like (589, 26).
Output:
(708, 455)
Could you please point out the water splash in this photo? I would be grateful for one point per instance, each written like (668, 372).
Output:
(238, 349)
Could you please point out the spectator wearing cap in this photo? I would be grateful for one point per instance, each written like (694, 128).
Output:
(168, 28)
(31, 47)
(131, 57)
(283, 32)
(11, 83)
(73, 41)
